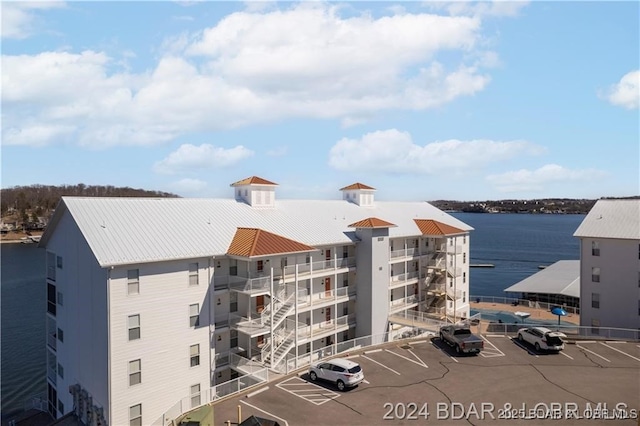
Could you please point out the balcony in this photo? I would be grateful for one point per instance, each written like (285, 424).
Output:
(403, 279)
(324, 328)
(397, 255)
(319, 267)
(402, 304)
(323, 298)
(254, 325)
(252, 286)
(449, 249)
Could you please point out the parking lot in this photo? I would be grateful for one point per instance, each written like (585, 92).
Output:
(416, 381)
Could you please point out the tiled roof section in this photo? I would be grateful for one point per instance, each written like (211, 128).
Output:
(433, 227)
(253, 180)
(357, 185)
(251, 242)
(371, 222)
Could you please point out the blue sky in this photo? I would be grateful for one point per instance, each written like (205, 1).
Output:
(421, 100)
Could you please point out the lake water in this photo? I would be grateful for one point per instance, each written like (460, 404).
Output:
(515, 244)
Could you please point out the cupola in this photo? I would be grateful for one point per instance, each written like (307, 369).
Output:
(255, 191)
(359, 194)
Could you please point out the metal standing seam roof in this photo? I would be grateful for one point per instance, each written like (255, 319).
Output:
(619, 219)
(252, 242)
(372, 222)
(124, 231)
(433, 227)
(562, 277)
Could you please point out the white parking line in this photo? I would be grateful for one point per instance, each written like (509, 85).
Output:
(284, 422)
(442, 350)
(310, 392)
(418, 341)
(517, 342)
(421, 363)
(592, 352)
(568, 356)
(490, 354)
(381, 364)
(618, 350)
(373, 351)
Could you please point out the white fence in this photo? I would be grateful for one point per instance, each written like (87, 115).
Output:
(523, 302)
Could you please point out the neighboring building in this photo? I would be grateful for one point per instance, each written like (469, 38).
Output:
(151, 300)
(557, 284)
(610, 265)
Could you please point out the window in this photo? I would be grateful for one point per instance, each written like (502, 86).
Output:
(595, 275)
(260, 266)
(595, 300)
(59, 262)
(233, 301)
(464, 239)
(464, 277)
(464, 257)
(595, 248)
(60, 408)
(284, 262)
(61, 335)
(51, 299)
(194, 355)
(133, 281)
(195, 395)
(60, 371)
(193, 274)
(638, 307)
(135, 415)
(135, 372)
(133, 323)
(380, 239)
(194, 314)
(464, 296)
(307, 259)
(233, 267)
(345, 252)
(60, 299)
(233, 339)
(51, 266)
(639, 279)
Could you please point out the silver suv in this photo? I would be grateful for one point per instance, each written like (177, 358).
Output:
(343, 372)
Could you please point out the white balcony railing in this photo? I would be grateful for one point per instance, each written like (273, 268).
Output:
(332, 325)
(403, 302)
(305, 299)
(403, 278)
(320, 266)
(252, 285)
(409, 252)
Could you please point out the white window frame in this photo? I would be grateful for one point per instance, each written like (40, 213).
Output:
(194, 315)
(595, 300)
(193, 274)
(135, 372)
(133, 282)
(133, 323)
(194, 392)
(135, 415)
(194, 355)
(595, 248)
(595, 274)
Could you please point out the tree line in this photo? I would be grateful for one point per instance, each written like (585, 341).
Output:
(41, 200)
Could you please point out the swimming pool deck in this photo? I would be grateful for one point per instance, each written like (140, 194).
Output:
(536, 313)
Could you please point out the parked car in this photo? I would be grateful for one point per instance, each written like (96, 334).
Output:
(343, 372)
(542, 338)
(461, 339)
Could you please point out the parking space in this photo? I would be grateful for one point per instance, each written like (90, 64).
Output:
(311, 392)
(425, 377)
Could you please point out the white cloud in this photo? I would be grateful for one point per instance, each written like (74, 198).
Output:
(250, 69)
(188, 186)
(625, 93)
(393, 151)
(536, 180)
(190, 157)
(480, 8)
(19, 18)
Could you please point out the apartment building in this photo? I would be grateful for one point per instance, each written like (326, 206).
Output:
(151, 300)
(610, 265)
